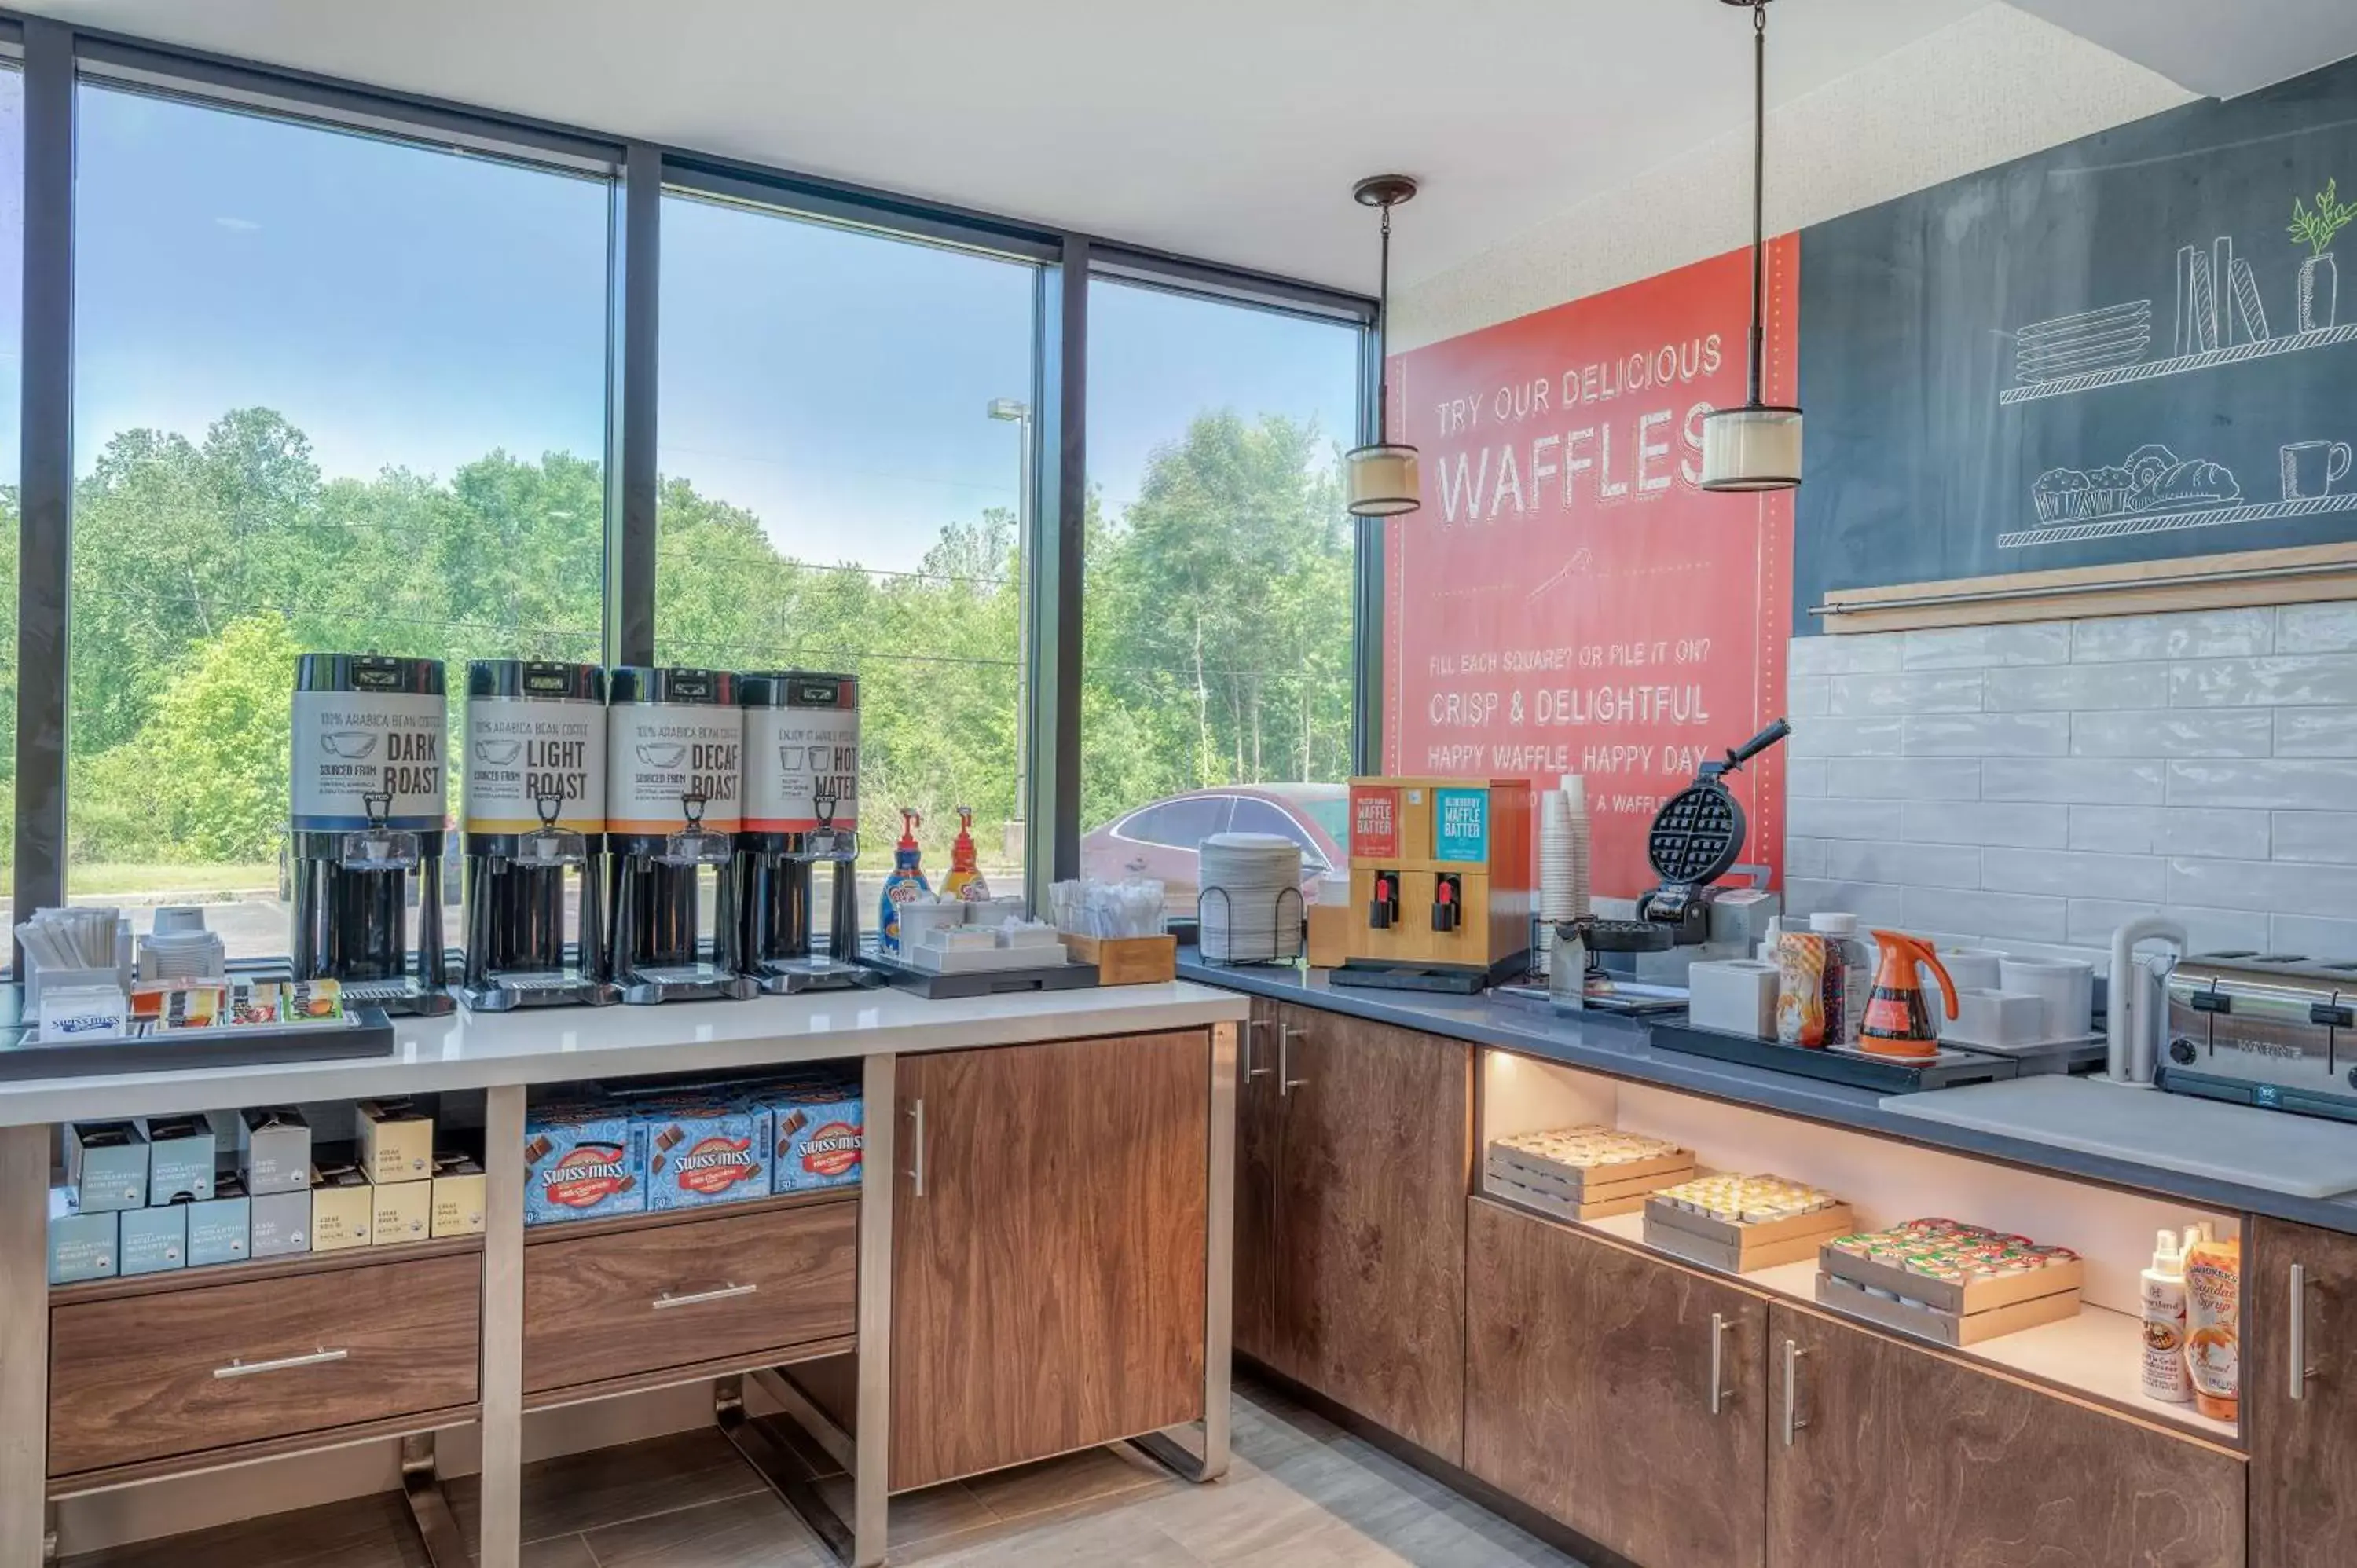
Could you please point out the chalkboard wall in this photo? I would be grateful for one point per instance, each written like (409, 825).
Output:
(2115, 350)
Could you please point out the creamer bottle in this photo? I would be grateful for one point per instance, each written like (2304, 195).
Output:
(906, 881)
(2164, 1376)
(2213, 1329)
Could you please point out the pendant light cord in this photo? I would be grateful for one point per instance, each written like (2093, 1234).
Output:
(1384, 337)
(1759, 186)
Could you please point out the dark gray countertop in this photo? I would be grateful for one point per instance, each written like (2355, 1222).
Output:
(1623, 1047)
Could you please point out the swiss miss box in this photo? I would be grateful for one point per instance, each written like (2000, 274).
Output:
(582, 1158)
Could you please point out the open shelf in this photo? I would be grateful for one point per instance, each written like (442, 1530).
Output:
(2095, 1357)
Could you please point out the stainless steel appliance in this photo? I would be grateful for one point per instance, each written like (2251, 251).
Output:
(801, 824)
(2271, 1029)
(674, 781)
(535, 827)
(368, 786)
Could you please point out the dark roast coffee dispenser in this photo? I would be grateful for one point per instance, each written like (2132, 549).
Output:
(801, 824)
(674, 779)
(369, 783)
(535, 826)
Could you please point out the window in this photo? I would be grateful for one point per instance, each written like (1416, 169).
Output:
(843, 418)
(1217, 627)
(331, 392)
(12, 323)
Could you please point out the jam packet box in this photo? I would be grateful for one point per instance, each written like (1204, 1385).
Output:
(582, 1160)
(817, 1132)
(705, 1151)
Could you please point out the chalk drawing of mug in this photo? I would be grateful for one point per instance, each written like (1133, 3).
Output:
(2310, 468)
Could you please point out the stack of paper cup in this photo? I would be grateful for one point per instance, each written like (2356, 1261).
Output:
(1563, 862)
(1575, 792)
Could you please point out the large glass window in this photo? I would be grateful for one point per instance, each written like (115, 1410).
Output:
(12, 379)
(844, 417)
(1219, 578)
(331, 392)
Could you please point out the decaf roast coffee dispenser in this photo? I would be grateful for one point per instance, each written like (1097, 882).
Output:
(674, 779)
(535, 825)
(368, 783)
(801, 826)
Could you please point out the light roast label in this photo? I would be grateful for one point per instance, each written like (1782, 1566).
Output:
(351, 744)
(519, 752)
(794, 756)
(658, 754)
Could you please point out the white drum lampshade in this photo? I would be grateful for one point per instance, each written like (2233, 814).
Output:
(1752, 447)
(1381, 480)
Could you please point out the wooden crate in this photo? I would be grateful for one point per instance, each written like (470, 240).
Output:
(1960, 1299)
(1740, 1249)
(1843, 1295)
(1127, 960)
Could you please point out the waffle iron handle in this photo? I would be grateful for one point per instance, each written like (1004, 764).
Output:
(1755, 746)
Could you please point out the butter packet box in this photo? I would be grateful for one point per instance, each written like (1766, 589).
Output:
(221, 1228)
(583, 1159)
(82, 1246)
(704, 1150)
(153, 1241)
(817, 1130)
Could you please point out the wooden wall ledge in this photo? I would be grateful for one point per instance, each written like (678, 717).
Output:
(2247, 578)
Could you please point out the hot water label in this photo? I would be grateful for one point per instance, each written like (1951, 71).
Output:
(521, 752)
(796, 759)
(660, 754)
(349, 745)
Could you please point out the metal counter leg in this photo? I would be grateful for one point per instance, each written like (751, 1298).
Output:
(422, 1485)
(1219, 1278)
(502, 1523)
(24, 1343)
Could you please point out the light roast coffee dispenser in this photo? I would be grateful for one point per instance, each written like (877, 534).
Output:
(368, 786)
(800, 825)
(535, 825)
(674, 777)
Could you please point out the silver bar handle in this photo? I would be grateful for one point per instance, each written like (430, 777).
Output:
(283, 1364)
(917, 1148)
(1286, 1082)
(667, 1300)
(1792, 1422)
(2300, 1370)
(1720, 1395)
(1253, 1026)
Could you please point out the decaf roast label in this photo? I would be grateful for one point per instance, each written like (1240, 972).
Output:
(350, 745)
(660, 755)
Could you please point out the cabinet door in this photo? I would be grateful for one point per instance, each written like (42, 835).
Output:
(2304, 1450)
(1260, 1112)
(1587, 1391)
(1048, 1272)
(1371, 1221)
(1888, 1456)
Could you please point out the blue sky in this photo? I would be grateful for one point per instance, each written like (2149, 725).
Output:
(417, 309)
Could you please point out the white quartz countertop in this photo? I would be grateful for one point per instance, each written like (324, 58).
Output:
(469, 1050)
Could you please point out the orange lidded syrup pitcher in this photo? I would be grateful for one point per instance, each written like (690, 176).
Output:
(1896, 1021)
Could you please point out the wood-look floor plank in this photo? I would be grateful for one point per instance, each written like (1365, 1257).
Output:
(361, 1532)
(754, 1532)
(578, 1493)
(560, 1552)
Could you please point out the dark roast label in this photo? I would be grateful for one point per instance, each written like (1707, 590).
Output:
(351, 745)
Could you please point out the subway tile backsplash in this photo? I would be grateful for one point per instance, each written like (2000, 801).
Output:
(2036, 785)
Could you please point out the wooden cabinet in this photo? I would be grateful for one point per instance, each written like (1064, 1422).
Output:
(1372, 1173)
(686, 1289)
(1260, 1124)
(1047, 1257)
(148, 1375)
(1899, 1458)
(2303, 1449)
(1589, 1392)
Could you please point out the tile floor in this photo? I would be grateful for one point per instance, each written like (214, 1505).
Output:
(1300, 1493)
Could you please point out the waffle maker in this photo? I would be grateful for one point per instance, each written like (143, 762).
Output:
(1695, 839)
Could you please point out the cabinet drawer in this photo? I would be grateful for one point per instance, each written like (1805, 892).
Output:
(155, 1376)
(626, 1302)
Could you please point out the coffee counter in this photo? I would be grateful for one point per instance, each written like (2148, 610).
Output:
(1097, 1124)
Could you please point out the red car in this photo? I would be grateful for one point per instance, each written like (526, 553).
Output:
(1160, 839)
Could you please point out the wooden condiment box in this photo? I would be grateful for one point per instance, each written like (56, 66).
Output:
(1983, 1293)
(1127, 960)
(1580, 1192)
(1844, 1295)
(1740, 1249)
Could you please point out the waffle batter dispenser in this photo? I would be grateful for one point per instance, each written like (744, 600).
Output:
(801, 828)
(1441, 882)
(535, 826)
(367, 784)
(674, 777)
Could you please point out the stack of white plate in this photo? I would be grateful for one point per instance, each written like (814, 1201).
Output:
(1254, 916)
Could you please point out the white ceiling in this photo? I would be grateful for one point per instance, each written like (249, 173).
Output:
(2222, 48)
(1227, 129)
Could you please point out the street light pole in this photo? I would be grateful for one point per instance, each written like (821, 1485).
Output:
(1018, 413)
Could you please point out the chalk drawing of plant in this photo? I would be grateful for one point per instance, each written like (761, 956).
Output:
(2319, 274)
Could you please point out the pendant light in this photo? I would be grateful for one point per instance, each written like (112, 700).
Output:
(1757, 446)
(1381, 477)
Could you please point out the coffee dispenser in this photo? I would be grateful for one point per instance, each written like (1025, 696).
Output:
(800, 825)
(535, 825)
(366, 789)
(674, 779)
